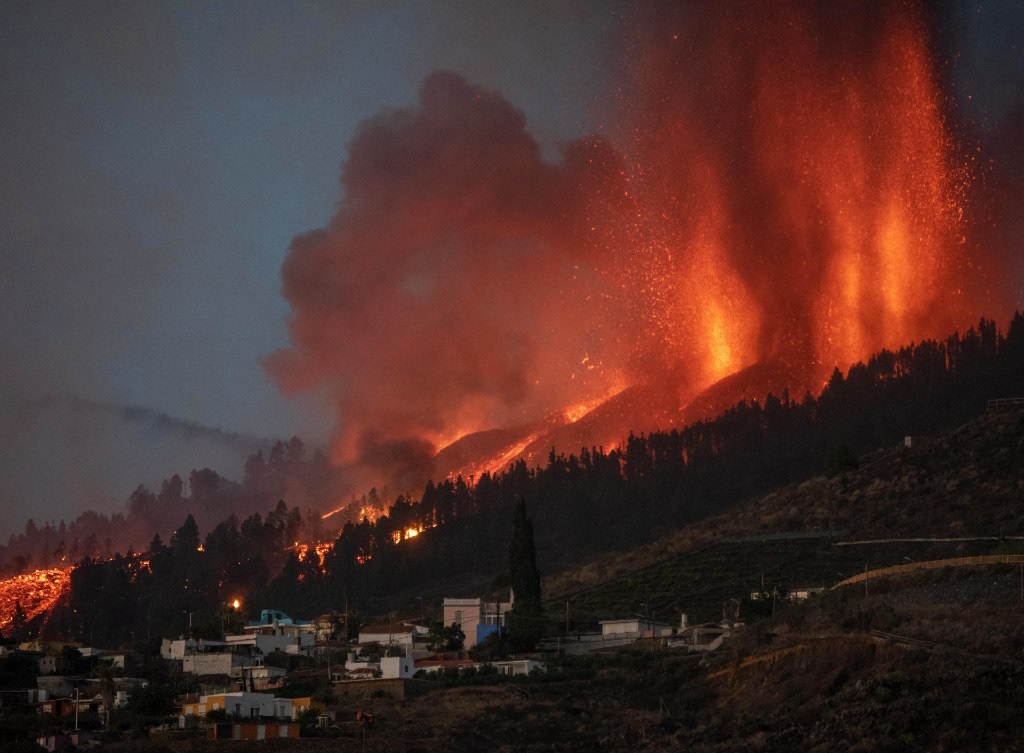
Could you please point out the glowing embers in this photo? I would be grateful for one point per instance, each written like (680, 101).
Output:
(793, 193)
(879, 165)
(315, 553)
(397, 537)
(36, 593)
(137, 566)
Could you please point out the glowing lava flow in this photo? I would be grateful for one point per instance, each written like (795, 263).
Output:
(364, 512)
(495, 464)
(36, 593)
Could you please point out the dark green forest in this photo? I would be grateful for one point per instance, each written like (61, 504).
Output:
(581, 504)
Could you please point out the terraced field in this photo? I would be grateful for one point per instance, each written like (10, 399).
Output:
(698, 582)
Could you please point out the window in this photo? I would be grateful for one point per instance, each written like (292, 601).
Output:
(458, 617)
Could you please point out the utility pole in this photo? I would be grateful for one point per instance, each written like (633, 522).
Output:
(865, 580)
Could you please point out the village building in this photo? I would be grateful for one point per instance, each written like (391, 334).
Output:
(175, 650)
(223, 662)
(273, 632)
(401, 634)
(393, 667)
(518, 666)
(246, 705)
(477, 618)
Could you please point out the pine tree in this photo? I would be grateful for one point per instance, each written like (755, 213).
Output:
(526, 620)
(19, 624)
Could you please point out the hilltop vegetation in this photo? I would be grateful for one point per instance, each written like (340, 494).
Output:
(961, 484)
(587, 504)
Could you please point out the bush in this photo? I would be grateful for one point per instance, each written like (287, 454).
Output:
(839, 460)
(217, 715)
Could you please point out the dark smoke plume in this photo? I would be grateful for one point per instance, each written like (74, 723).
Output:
(430, 304)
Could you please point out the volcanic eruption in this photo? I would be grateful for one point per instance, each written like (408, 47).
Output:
(771, 195)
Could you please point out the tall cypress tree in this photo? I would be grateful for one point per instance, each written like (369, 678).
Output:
(526, 620)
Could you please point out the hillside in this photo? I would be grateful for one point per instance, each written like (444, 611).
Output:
(928, 661)
(959, 485)
(671, 491)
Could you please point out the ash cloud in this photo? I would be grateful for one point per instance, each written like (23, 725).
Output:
(430, 303)
(406, 462)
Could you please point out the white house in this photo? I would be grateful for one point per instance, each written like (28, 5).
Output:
(276, 622)
(397, 634)
(393, 667)
(518, 666)
(244, 704)
(702, 638)
(225, 657)
(287, 641)
(175, 650)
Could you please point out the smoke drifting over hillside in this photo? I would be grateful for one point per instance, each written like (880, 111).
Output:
(74, 451)
(778, 189)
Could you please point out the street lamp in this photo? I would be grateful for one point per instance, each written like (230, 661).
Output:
(234, 604)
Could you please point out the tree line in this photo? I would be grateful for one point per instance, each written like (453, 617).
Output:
(582, 503)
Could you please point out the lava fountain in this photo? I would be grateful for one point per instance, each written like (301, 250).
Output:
(775, 188)
(793, 189)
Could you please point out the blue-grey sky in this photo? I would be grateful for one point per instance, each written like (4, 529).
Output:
(157, 158)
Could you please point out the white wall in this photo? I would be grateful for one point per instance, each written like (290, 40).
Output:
(393, 667)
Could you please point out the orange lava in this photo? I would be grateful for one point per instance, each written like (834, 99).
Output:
(495, 464)
(37, 593)
(365, 511)
(792, 192)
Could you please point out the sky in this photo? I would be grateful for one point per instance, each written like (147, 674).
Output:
(157, 160)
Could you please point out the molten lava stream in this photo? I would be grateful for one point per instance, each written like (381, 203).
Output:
(37, 593)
